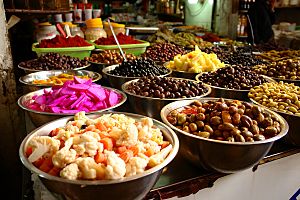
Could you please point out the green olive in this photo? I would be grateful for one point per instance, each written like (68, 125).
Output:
(181, 118)
(193, 127)
(203, 134)
(259, 137)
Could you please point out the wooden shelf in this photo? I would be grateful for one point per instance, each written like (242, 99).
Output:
(27, 11)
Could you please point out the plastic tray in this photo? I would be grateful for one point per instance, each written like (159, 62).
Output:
(79, 52)
(136, 49)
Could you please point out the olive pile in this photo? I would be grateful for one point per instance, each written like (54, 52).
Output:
(54, 61)
(229, 120)
(166, 87)
(110, 57)
(163, 52)
(233, 77)
(286, 69)
(284, 97)
(236, 58)
(138, 68)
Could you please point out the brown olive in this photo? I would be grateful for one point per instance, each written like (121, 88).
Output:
(203, 134)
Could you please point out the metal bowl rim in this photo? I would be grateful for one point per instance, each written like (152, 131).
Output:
(124, 98)
(169, 158)
(282, 133)
(124, 88)
(36, 70)
(269, 79)
(106, 69)
(98, 76)
(277, 111)
(290, 80)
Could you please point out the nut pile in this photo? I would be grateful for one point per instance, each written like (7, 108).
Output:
(163, 52)
(229, 120)
(109, 57)
(138, 68)
(54, 61)
(166, 87)
(286, 69)
(284, 97)
(232, 77)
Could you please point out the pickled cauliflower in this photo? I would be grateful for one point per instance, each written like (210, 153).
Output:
(112, 146)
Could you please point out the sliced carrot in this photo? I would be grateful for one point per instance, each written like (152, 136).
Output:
(134, 149)
(108, 143)
(54, 132)
(54, 171)
(149, 152)
(165, 144)
(104, 134)
(100, 126)
(47, 165)
(39, 162)
(100, 158)
(121, 149)
(28, 151)
(126, 155)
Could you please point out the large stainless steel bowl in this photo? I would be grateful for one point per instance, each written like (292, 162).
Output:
(221, 156)
(118, 81)
(131, 188)
(296, 82)
(40, 118)
(28, 70)
(231, 93)
(293, 135)
(150, 106)
(182, 74)
(28, 79)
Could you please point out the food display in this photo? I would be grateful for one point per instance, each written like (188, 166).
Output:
(283, 97)
(112, 146)
(122, 39)
(60, 42)
(226, 120)
(138, 68)
(195, 61)
(58, 79)
(237, 58)
(109, 57)
(166, 87)
(74, 96)
(163, 52)
(233, 77)
(52, 61)
(274, 55)
(286, 69)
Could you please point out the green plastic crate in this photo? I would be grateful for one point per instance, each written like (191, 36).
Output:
(79, 52)
(135, 49)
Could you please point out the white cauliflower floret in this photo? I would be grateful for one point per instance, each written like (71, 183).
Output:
(90, 169)
(64, 135)
(87, 143)
(116, 167)
(145, 129)
(158, 158)
(70, 127)
(42, 145)
(65, 155)
(136, 165)
(153, 145)
(129, 136)
(116, 133)
(70, 172)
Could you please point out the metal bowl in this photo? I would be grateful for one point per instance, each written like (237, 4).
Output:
(118, 81)
(296, 82)
(231, 93)
(150, 106)
(40, 118)
(28, 70)
(220, 156)
(129, 188)
(29, 78)
(98, 67)
(182, 74)
(293, 136)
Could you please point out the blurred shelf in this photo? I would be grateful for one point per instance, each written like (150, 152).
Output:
(296, 6)
(243, 11)
(170, 17)
(28, 11)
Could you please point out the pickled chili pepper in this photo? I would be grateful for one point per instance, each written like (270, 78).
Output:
(60, 41)
(123, 39)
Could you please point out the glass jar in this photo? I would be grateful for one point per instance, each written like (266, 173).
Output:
(93, 33)
(46, 32)
(75, 30)
(118, 28)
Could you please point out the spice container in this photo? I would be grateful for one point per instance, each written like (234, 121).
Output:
(118, 28)
(75, 30)
(46, 32)
(94, 29)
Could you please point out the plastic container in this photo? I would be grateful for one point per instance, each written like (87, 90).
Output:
(94, 29)
(75, 30)
(79, 52)
(118, 28)
(46, 32)
(135, 49)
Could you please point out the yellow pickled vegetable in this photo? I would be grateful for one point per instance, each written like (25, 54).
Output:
(57, 80)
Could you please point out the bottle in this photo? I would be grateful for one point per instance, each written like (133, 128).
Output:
(167, 7)
(172, 7)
